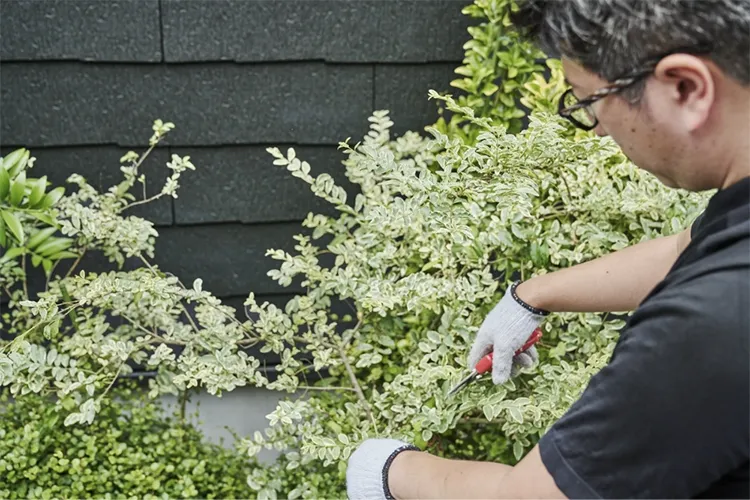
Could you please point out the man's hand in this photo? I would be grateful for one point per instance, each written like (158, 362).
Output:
(504, 331)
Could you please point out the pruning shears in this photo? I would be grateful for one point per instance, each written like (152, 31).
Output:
(485, 364)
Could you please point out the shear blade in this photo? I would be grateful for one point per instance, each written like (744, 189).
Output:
(462, 384)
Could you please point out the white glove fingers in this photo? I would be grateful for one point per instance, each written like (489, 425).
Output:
(524, 360)
(478, 351)
(501, 366)
(532, 352)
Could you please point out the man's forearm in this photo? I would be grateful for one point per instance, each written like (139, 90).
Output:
(612, 283)
(420, 475)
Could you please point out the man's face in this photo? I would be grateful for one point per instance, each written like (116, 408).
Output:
(657, 134)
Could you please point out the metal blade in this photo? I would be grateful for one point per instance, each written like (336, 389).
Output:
(463, 383)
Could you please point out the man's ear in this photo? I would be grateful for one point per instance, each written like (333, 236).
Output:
(689, 87)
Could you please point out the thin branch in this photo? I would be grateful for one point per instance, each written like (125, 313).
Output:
(326, 388)
(75, 264)
(25, 280)
(101, 396)
(345, 342)
(156, 337)
(567, 188)
(143, 158)
(355, 384)
(187, 314)
(141, 202)
(34, 327)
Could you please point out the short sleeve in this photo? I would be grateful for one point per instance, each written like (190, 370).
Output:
(668, 416)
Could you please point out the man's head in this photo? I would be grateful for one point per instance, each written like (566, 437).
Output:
(670, 79)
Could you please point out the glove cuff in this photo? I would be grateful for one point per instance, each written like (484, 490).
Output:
(367, 471)
(528, 307)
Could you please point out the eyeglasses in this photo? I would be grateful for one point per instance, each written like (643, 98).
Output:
(580, 111)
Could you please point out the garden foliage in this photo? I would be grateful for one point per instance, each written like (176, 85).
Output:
(440, 225)
(133, 449)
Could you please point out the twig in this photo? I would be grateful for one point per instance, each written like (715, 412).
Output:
(34, 327)
(25, 284)
(355, 383)
(150, 333)
(326, 388)
(73, 315)
(143, 158)
(75, 264)
(101, 396)
(567, 188)
(183, 405)
(141, 202)
(187, 314)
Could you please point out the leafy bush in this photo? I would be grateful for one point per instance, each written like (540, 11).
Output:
(133, 449)
(496, 67)
(61, 366)
(424, 251)
(24, 208)
(86, 329)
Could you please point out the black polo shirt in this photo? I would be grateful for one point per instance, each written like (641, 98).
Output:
(668, 417)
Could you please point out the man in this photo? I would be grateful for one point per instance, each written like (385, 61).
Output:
(669, 80)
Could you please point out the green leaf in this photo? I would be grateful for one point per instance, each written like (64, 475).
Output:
(47, 266)
(36, 260)
(12, 253)
(462, 84)
(516, 414)
(42, 217)
(12, 162)
(517, 450)
(53, 246)
(14, 225)
(39, 237)
(37, 191)
(17, 190)
(3, 240)
(4, 183)
(507, 99)
(489, 411)
(63, 255)
(52, 197)
(489, 89)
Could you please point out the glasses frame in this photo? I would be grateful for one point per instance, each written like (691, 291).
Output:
(618, 85)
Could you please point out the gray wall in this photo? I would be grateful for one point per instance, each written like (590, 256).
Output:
(81, 82)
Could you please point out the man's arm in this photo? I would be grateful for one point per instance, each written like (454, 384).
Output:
(420, 475)
(613, 283)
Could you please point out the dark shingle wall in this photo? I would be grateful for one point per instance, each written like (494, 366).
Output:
(81, 82)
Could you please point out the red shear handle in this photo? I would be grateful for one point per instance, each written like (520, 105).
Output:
(485, 364)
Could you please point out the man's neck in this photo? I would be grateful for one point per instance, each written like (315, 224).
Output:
(736, 142)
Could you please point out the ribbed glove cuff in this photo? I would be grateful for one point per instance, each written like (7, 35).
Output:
(367, 472)
(530, 308)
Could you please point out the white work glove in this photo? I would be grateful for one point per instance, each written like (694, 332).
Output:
(367, 469)
(505, 330)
